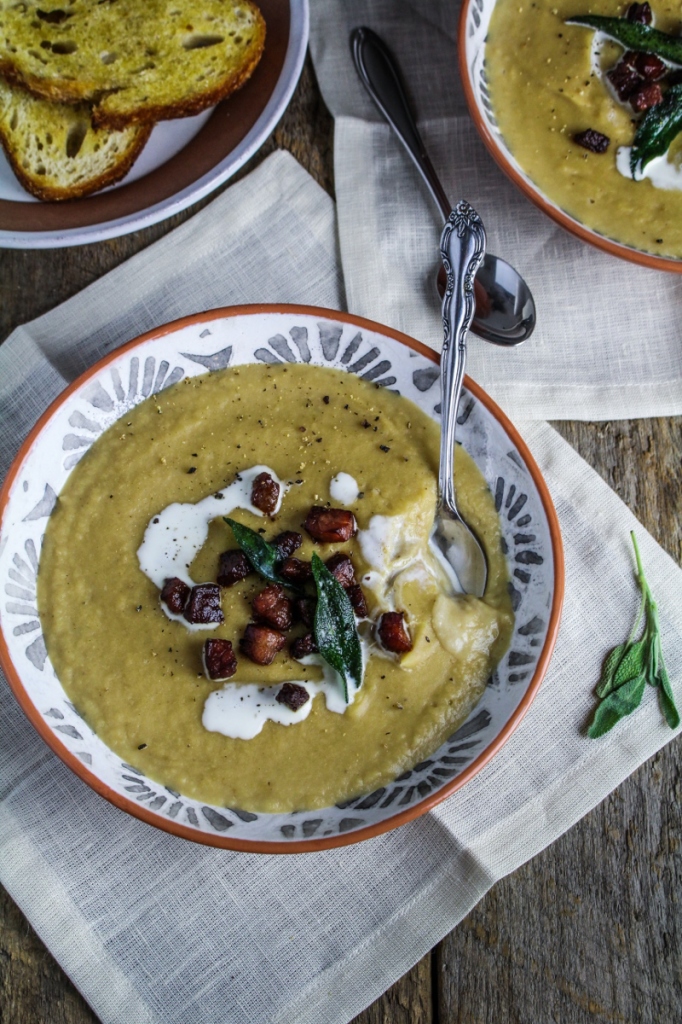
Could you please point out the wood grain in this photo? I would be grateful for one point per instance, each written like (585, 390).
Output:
(588, 931)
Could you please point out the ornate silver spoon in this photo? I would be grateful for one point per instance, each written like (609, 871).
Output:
(505, 310)
(462, 249)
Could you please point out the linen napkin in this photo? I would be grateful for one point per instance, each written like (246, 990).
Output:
(156, 930)
(608, 343)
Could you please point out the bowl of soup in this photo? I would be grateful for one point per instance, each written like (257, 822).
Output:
(559, 105)
(185, 529)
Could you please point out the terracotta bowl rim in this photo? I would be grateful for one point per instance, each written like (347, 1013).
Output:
(370, 831)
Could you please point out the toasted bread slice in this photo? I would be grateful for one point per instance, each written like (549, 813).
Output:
(54, 150)
(135, 60)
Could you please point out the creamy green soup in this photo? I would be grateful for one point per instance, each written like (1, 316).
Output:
(137, 677)
(545, 89)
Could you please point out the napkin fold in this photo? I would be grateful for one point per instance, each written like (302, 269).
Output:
(608, 342)
(156, 930)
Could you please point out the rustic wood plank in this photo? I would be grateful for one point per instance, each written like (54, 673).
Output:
(409, 1001)
(33, 988)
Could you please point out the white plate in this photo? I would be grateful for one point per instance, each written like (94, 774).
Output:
(167, 140)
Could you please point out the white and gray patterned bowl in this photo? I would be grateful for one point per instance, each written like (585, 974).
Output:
(474, 20)
(275, 334)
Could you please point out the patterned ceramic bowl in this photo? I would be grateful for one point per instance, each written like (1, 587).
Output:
(473, 29)
(275, 334)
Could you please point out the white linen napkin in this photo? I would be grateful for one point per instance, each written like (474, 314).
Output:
(608, 344)
(156, 930)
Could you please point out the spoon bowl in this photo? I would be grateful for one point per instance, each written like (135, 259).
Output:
(505, 310)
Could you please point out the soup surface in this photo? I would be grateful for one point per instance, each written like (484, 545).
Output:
(136, 676)
(547, 84)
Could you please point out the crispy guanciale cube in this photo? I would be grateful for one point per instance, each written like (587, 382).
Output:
(330, 525)
(650, 67)
(341, 568)
(293, 695)
(357, 598)
(174, 594)
(303, 646)
(649, 96)
(286, 543)
(234, 566)
(625, 78)
(203, 606)
(265, 493)
(592, 140)
(219, 659)
(639, 13)
(295, 570)
(273, 607)
(261, 644)
(304, 610)
(393, 633)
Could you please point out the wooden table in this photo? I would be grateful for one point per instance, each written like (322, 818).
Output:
(588, 931)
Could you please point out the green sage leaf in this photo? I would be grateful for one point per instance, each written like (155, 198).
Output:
(336, 633)
(633, 36)
(263, 556)
(657, 129)
(630, 666)
(611, 663)
(633, 664)
(665, 695)
(617, 705)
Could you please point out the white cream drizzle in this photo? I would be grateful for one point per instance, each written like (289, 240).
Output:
(661, 172)
(391, 550)
(240, 710)
(344, 488)
(175, 535)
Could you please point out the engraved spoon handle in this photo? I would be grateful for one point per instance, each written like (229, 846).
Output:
(462, 248)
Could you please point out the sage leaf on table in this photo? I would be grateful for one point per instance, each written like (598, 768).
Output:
(667, 700)
(617, 705)
(336, 633)
(263, 556)
(633, 36)
(630, 666)
(657, 129)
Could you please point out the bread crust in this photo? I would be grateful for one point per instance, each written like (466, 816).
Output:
(42, 88)
(52, 194)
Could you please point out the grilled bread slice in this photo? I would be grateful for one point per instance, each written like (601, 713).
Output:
(136, 60)
(54, 150)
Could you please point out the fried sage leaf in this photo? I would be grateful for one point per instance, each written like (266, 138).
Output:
(263, 556)
(630, 666)
(656, 131)
(634, 36)
(336, 634)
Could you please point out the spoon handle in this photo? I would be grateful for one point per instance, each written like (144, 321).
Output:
(462, 248)
(380, 76)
